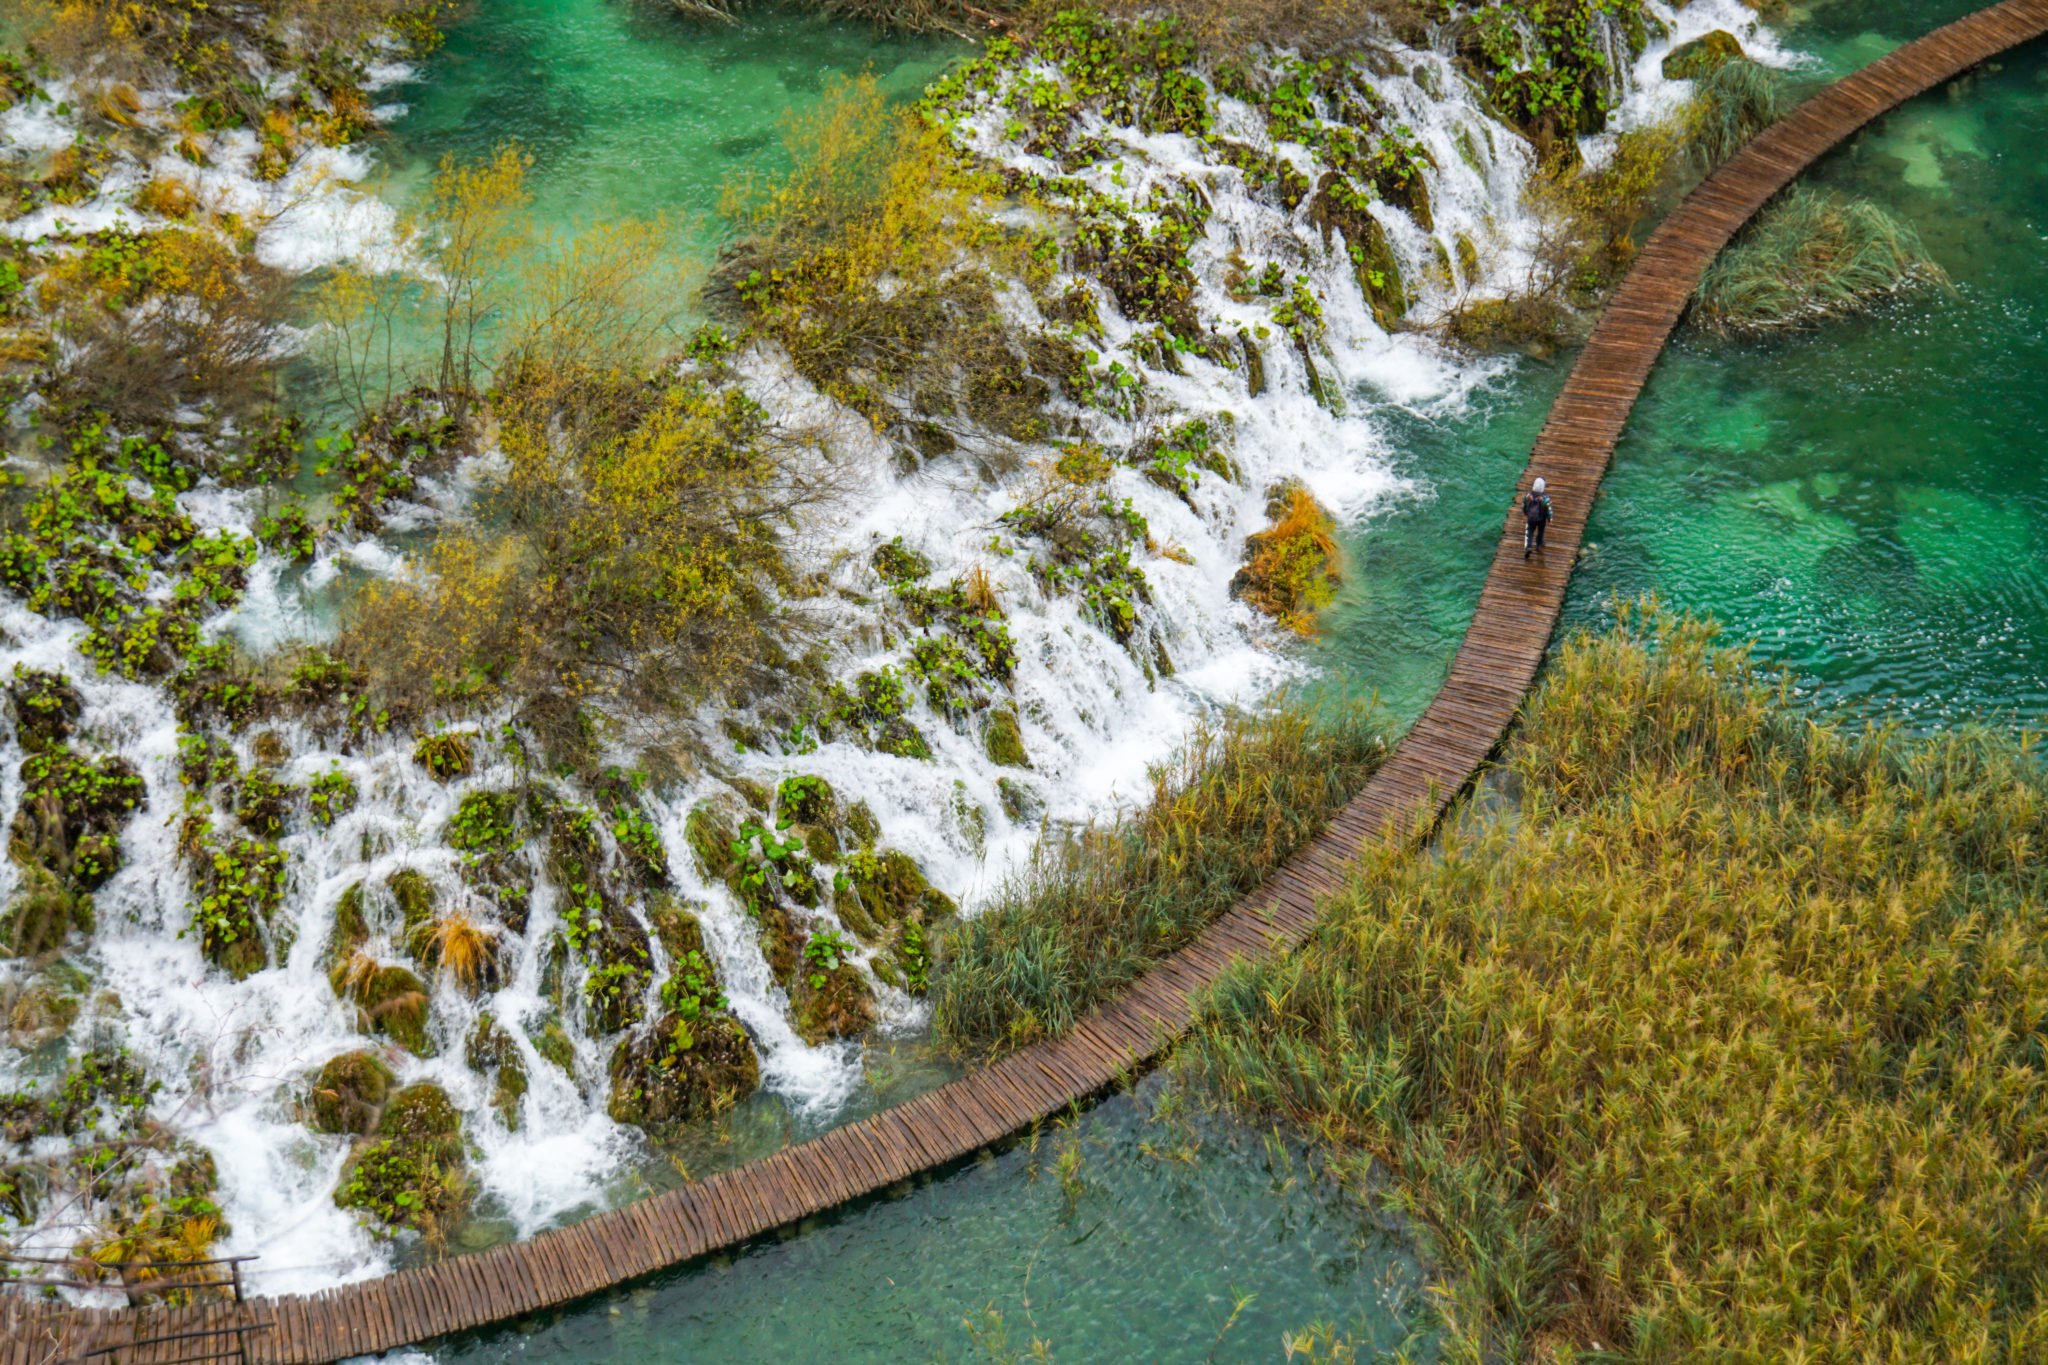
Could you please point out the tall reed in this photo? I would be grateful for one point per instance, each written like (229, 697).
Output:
(1727, 1046)
(1811, 254)
(1093, 911)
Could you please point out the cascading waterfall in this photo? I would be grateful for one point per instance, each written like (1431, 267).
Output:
(232, 1057)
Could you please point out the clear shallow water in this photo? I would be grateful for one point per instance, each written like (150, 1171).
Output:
(1867, 499)
(631, 109)
(1139, 1254)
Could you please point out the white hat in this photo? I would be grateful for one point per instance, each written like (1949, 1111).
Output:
(1539, 485)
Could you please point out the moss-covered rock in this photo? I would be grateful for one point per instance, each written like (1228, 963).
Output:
(621, 969)
(410, 1174)
(1003, 738)
(710, 836)
(1701, 55)
(490, 1051)
(44, 911)
(832, 1004)
(1339, 206)
(416, 898)
(676, 925)
(46, 708)
(348, 1094)
(389, 1000)
(678, 1071)
(821, 842)
(893, 888)
(862, 825)
(351, 928)
(551, 1042)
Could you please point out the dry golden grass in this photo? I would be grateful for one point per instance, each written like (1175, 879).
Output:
(1726, 1046)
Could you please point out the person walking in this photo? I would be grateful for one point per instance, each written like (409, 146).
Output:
(1535, 516)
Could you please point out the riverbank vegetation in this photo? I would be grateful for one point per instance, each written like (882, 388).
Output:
(1093, 911)
(1722, 1041)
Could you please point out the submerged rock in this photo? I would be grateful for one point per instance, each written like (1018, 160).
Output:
(679, 1071)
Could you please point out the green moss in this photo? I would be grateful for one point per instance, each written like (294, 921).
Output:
(348, 1093)
(862, 825)
(390, 1000)
(351, 928)
(821, 842)
(551, 1041)
(1003, 738)
(710, 838)
(837, 1003)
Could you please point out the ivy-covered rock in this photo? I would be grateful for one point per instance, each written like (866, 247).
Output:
(72, 811)
(1340, 207)
(240, 884)
(348, 1093)
(487, 832)
(410, 1174)
(46, 707)
(678, 1071)
(831, 997)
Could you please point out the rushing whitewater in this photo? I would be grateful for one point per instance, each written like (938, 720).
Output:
(1093, 713)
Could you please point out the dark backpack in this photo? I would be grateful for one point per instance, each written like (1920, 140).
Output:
(1536, 509)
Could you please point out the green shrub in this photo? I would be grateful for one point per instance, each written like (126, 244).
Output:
(1091, 914)
(1725, 1046)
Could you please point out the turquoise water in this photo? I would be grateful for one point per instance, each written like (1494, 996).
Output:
(1141, 1251)
(1868, 499)
(631, 109)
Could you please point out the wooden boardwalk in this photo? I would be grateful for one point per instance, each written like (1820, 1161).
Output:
(1494, 668)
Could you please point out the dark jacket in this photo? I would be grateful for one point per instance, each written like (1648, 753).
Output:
(1536, 509)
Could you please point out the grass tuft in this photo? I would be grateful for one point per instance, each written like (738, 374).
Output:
(1813, 254)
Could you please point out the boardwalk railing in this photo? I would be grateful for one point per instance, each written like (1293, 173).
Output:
(1493, 670)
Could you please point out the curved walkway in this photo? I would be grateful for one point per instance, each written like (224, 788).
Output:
(1494, 668)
